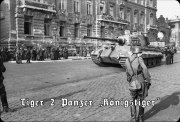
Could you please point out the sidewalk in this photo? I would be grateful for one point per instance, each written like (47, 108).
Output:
(62, 59)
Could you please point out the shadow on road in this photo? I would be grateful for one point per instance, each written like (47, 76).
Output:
(166, 101)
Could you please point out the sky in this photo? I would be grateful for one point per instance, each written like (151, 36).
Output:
(168, 8)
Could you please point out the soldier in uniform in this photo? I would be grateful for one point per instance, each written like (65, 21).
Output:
(28, 55)
(2, 88)
(65, 53)
(140, 68)
(168, 55)
(171, 55)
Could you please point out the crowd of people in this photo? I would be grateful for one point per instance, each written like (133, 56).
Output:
(40, 54)
(4, 53)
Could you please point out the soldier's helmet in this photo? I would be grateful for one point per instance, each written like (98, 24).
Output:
(137, 49)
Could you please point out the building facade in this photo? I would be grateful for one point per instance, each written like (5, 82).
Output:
(65, 22)
(175, 31)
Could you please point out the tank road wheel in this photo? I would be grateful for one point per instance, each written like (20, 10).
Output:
(98, 61)
(149, 62)
(159, 60)
(145, 61)
(154, 61)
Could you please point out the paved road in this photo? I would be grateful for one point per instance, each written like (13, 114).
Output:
(40, 75)
(82, 80)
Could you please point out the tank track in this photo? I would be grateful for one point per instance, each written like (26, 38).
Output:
(98, 61)
(150, 62)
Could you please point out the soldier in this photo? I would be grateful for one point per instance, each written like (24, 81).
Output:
(28, 55)
(65, 53)
(85, 52)
(2, 88)
(168, 55)
(171, 55)
(18, 56)
(135, 64)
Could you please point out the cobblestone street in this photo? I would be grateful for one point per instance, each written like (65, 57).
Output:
(89, 89)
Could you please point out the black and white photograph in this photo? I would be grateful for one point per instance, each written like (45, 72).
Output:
(89, 60)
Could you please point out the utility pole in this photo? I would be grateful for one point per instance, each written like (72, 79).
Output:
(96, 21)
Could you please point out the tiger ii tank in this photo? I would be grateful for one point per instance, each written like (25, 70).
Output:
(116, 51)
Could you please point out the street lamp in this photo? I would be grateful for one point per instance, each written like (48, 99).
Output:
(55, 32)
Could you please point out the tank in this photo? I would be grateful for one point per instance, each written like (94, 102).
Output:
(116, 51)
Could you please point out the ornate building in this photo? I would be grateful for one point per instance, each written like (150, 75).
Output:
(164, 28)
(65, 22)
(175, 31)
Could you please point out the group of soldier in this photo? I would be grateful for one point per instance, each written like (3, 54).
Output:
(169, 53)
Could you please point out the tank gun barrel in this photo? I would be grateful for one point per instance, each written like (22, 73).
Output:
(118, 40)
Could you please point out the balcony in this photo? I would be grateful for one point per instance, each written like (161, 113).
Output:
(36, 5)
(109, 18)
(152, 27)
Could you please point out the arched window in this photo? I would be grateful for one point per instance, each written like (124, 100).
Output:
(129, 16)
(89, 7)
(151, 3)
(151, 19)
(142, 18)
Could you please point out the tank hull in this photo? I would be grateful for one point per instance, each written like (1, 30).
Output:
(118, 54)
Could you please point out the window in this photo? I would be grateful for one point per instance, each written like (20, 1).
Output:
(151, 3)
(129, 16)
(89, 30)
(62, 4)
(89, 7)
(40, 1)
(135, 16)
(121, 13)
(102, 31)
(47, 27)
(2, 14)
(62, 29)
(27, 25)
(111, 32)
(102, 7)
(112, 10)
(76, 30)
(151, 19)
(142, 2)
(76, 6)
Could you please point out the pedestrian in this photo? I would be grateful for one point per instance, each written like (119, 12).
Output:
(65, 53)
(135, 67)
(28, 55)
(38, 55)
(171, 55)
(20, 55)
(85, 52)
(168, 55)
(52, 53)
(2, 88)
(81, 52)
